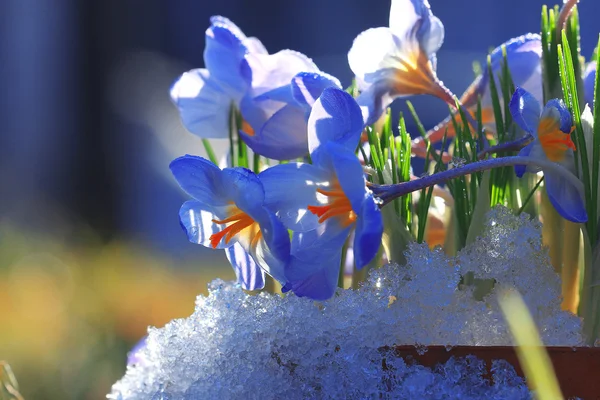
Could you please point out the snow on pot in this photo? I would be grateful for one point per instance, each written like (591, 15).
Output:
(356, 345)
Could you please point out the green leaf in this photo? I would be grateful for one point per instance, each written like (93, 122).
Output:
(482, 207)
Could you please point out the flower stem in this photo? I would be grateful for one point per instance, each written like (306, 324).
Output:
(452, 100)
(508, 146)
(563, 16)
(388, 193)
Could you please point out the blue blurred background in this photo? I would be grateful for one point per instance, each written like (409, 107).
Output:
(87, 129)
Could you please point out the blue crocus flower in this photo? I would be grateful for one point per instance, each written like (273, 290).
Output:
(323, 201)
(284, 86)
(589, 81)
(229, 212)
(204, 96)
(399, 60)
(524, 55)
(551, 128)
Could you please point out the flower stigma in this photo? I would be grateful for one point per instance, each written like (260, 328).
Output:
(554, 141)
(237, 222)
(337, 205)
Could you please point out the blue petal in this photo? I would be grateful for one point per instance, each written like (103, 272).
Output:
(589, 81)
(248, 274)
(348, 171)
(272, 251)
(196, 219)
(290, 189)
(257, 112)
(223, 56)
(322, 283)
(374, 101)
(203, 104)
(283, 94)
(521, 169)
(268, 72)
(317, 244)
(334, 117)
(367, 237)
(414, 17)
(525, 110)
(314, 266)
(556, 109)
(308, 86)
(431, 36)
(405, 14)
(243, 187)
(378, 53)
(228, 24)
(523, 54)
(201, 179)
(282, 137)
(565, 198)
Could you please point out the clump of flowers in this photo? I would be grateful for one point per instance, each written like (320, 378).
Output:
(317, 179)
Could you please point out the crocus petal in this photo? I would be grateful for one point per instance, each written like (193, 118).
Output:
(335, 116)
(276, 70)
(290, 189)
(272, 250)
(223, 55)
(315, 263)
(565, 198)
(270, 77)
(225, 22)
(525, 110)
(410, 18)
(367, 237)
(414, 17)
(243, 187)
(317, 244)
(375, 54)
(589, 81)
(524, 54)
(374, 101)
(282, 137)
(521, 169)
(431, 36)
(322, 283)
(248, 274)
(348, 172)
(254, 45)
(404, 15)
(203, 104)
(557, 110)
(201, 179)
(196, 219)
(587, 123)
(308, 86)
(282, 94)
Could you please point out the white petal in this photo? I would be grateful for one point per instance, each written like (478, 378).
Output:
(374, 50)
(403, 16)
(203, 104)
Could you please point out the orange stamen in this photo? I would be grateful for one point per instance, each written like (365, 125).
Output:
(338, 206)
(554, 141)
(247, 129)
(415, 76)
(240, 221)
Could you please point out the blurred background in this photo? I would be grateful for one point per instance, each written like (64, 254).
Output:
(91, 251)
